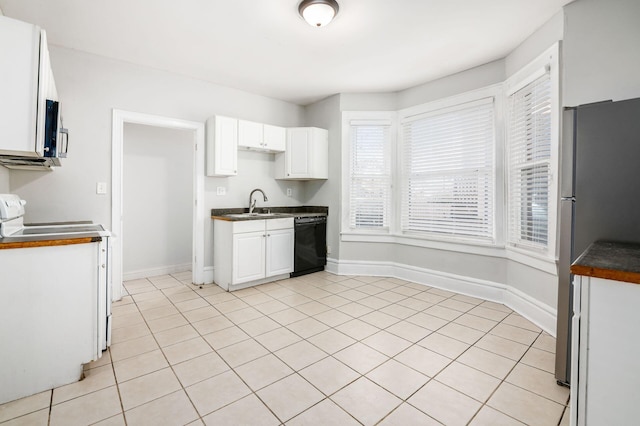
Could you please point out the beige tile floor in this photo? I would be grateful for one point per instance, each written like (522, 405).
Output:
(320, 349)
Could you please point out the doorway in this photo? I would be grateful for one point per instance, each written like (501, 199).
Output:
(157, 211)
(196, 130)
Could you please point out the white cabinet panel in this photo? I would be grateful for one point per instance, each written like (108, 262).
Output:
(279, 252)
(298, 150)
(53, 316)
(20, 47)
(30, 115)
(261, 137)
(248, 257)
(250, 135)
(222, 146)
(275, 138)
(605, 381)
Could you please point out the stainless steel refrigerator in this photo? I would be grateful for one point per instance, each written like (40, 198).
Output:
(599, 195)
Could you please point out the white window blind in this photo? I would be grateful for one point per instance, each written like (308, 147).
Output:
(370, 174)
(448, 172)
(529, 163)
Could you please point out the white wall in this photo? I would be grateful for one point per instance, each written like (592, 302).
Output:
(157, 200)
(465, 81)
(601, 51)
(535, 44)
(4, 180)
(368, 101)
(90, 87)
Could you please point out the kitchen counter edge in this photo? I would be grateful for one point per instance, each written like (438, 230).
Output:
(49, 241)
(610, 260)
(279, 213)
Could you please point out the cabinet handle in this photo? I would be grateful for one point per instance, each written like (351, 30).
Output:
(268, 235)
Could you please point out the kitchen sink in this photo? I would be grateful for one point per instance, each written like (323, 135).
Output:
(255, 215)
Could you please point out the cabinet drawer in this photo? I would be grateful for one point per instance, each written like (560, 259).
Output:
(248, 226)
(283, 223)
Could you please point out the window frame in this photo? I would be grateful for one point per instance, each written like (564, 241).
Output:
(546, 63)
(426, 176)
(382, 118)
(450, 103)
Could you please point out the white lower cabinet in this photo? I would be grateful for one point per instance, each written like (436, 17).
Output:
(605, 352)
(252, 252)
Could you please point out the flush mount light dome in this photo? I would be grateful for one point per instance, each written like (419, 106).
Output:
(318, 13)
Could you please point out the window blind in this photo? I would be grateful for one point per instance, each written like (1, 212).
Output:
(370, 174)
(529, 163)
(448, 172)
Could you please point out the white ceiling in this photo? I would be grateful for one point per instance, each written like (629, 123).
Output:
(264, 47)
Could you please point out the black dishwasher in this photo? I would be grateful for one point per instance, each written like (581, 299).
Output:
(310, 249)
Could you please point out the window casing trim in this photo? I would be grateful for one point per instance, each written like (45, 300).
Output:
(547, 62)
(490, 94)
(373, 118)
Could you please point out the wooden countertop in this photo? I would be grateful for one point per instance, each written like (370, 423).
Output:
(610, 260)
(29, 242)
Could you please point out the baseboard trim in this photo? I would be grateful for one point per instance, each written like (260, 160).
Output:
(540, 314)
(153, 272)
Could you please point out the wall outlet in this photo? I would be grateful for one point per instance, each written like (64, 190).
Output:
(289, 192)
(328, 249)
(101, 188)
(221, 190)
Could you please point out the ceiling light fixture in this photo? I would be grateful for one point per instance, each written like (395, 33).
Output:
(318, 13)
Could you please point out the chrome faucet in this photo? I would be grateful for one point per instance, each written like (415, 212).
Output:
(252, 202)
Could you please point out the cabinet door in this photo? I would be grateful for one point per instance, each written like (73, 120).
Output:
(222, 146)
(319, 162)
(19, 44)
(275, 138)
(248, 257)
(250, 135)
(279, 252)
(297, 156)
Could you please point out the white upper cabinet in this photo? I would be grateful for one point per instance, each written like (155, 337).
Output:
(222, 146)
(261, 137)
(249, 135)
(30, 116)
(306, 156)
(275, 138)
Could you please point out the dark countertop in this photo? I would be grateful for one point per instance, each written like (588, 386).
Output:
(610, 260)
(280, 212)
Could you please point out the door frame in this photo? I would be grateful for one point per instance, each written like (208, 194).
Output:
(119, 118)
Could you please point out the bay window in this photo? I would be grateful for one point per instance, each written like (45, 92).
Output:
(448, 172)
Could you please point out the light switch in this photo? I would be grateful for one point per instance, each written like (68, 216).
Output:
(221, 190)
(101, 188)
